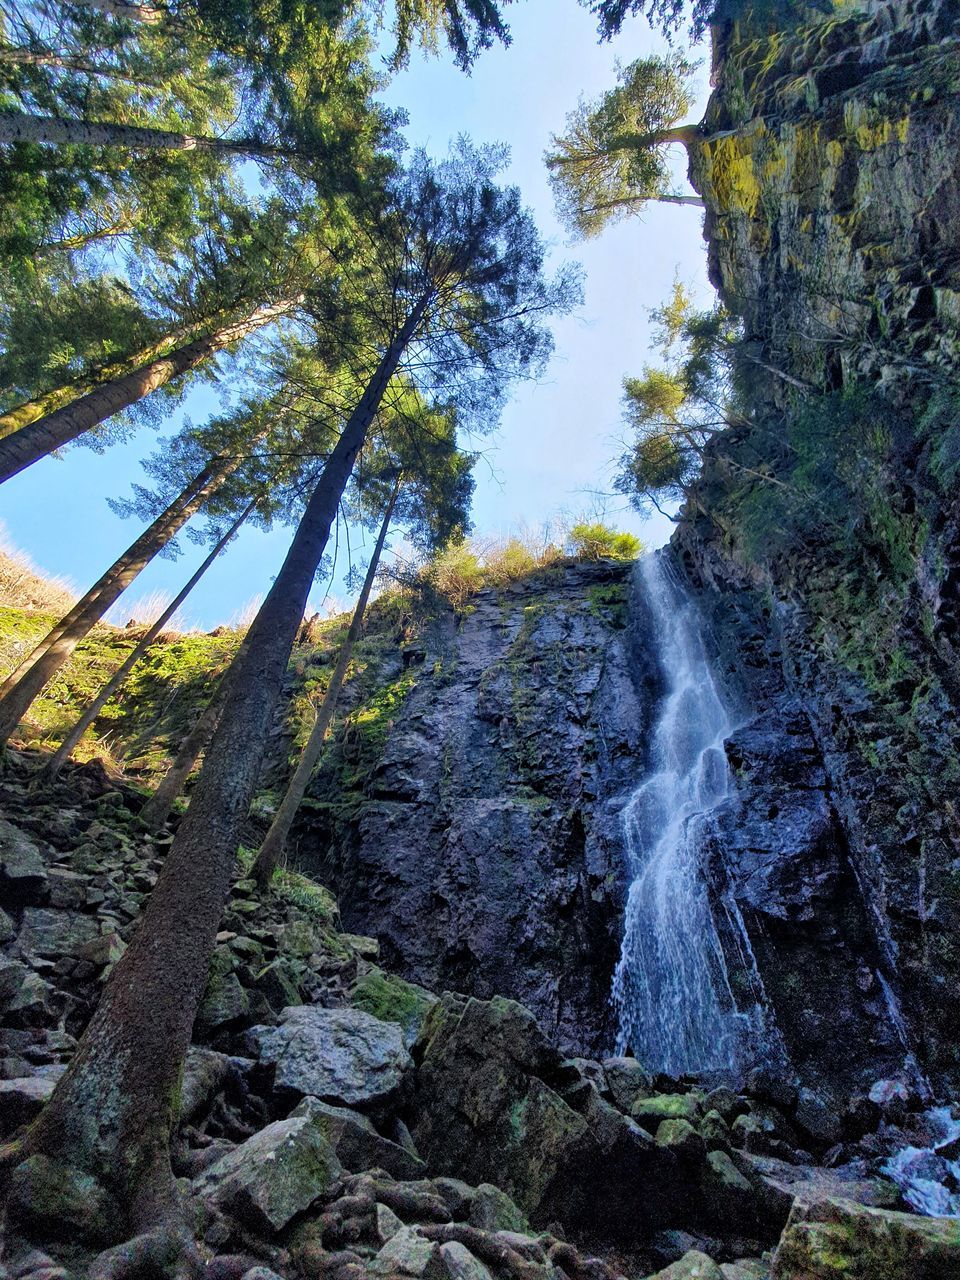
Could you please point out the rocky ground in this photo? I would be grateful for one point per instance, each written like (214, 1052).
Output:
(339, 1122)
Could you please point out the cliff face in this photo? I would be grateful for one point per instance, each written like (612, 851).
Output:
(832, 184)
(480, 840)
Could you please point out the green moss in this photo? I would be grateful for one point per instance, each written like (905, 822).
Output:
(391, 999)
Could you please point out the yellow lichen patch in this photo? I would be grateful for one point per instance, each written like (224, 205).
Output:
(870, 133)
(730, 175)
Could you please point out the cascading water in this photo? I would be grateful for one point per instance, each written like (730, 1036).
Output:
(671, 988)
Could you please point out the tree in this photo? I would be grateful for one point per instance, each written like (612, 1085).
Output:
(30, 443)
(598, 541)
(115, 682)
(23, 685)
(462, 298)
(665, 14)
(677, 410)
(275, 840)
(431, 495)
(612, 158)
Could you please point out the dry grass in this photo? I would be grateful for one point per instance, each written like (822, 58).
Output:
(25, 586)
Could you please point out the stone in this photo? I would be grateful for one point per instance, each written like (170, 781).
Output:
(837, 1239)
(48, 931)
(204, 1075)
(25, 999)
(274, 1175)
(67, 888)
(492, 1210)
(343, 1056)
(225, 1003)
(391, 999)
(407, 1253)
(460, 1264)
(358, 1145)
(103, 952)
(386, 1224)
(627, 1081)
(58, 1202)
(7, 927)
(714, 1130)
(23, 875)
(816, 1118)
(261, 1273)
(22, 1101)
(680, 1137)
(694, 1265)
(648, 1112)
(724, 1101)
(745, 1269)
(724, 1173)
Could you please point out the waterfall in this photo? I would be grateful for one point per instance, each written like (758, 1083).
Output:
(671, 988)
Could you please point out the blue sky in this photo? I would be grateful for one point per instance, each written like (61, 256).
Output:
(557, 439)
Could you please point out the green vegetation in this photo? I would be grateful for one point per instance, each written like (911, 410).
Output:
(597, 541)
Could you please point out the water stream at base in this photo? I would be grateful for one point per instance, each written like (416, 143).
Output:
(671, 989)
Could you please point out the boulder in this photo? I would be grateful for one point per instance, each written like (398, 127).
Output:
(680, 1137)
(25, 999)
(358, 1145)
(274, 1175)
(343, 1056)
(386, 1224)
(225, 1003)
(648, 1112)
(694, 1265)
(48, 931)
(460, 1264)
(407, 1253)
(492, 1210)
(23, 876)
(53, 1201)
(836, 1239)
(22, 1100)
(204, 1075)
(627, 1081)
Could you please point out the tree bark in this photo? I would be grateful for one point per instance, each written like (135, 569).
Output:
(23, 685)
(111, 1113)
(276, 838)
(93, 709)
(22, 415)
(21, 126)
(56, 429)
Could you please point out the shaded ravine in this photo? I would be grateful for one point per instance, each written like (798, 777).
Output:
(672, 989)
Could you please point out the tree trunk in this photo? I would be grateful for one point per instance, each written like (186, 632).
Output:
(22, 415)
(93, 709)
(146, 13)
(59, 428)
(157, 809)
(276, 838)
(111, 1113)
(21, 126)
(23, 685)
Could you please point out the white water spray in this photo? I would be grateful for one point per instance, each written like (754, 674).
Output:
(671, 988)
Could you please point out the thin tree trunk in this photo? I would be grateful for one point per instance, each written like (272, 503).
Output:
(111, 1113)
(157, 809)
(23, 685)
(21, 126)
(59, 428)
(93, 709)
(23, 57)
(146, 13)
(276, 838)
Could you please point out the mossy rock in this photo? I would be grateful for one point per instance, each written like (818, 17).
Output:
(835, 1239)
(391, 999)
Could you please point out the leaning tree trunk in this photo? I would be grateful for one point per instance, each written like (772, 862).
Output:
(21, 415)
(276, 838)
(157, 809)
(22, 126)
(20, 688)
(59, 428)
(112, 1112)
(93, 709)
